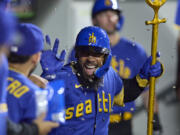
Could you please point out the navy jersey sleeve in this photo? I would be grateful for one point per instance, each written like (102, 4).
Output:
(132, 89)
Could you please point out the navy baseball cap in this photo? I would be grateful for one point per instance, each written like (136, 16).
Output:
(31, 40)
(8, 23)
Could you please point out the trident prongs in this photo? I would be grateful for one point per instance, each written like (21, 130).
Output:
(156, 4)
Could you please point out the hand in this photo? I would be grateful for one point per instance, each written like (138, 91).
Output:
(50, 61)
(157, 128)
(149, 70)
(44, 127)
(103, 69)
(39, 81)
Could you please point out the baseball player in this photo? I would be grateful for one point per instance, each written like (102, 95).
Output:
(127, 59)
(21, 98)
(92, 86)
(8, 27)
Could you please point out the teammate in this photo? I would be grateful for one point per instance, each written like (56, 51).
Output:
(7, 29)
(127, 59)
(177, 23)
(8, 25)
(92, 86)
(21, 101)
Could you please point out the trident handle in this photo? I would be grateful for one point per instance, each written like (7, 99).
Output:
(156, 4)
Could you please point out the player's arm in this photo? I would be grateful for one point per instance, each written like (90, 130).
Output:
(134, 87)
(131, 89)
(39, 81)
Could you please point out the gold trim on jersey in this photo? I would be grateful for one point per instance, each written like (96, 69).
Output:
(116, 118)
(119, 98)
(142, 82)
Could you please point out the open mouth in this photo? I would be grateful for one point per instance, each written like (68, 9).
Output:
(89, 69)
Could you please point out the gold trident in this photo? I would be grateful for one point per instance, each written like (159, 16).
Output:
(156, 4)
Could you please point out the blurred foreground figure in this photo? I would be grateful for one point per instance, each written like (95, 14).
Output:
(8, 25)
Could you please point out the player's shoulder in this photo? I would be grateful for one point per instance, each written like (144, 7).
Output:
(19, 78)
(20, 85)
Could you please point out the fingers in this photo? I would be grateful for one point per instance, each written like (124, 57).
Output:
(56, 45)
(158, 54)
(53, 124)
(62, 55)
(156, 70)
(46, 127)
(41, 116)
(48, 41)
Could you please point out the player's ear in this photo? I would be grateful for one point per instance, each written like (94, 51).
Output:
(36, 57)
(94, 21)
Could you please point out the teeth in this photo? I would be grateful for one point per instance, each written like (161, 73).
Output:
(90, 66)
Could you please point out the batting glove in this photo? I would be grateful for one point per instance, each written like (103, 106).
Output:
(149, 70)
(50, 61)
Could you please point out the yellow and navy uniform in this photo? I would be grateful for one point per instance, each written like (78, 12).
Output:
(88, 110)
(21, 97)
(127, 59)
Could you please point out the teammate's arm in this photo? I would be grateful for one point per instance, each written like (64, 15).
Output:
(39, 81)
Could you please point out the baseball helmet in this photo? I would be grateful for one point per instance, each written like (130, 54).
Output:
(103, 5)
(93, 38)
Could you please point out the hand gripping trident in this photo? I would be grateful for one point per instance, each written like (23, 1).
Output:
(155, 4)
